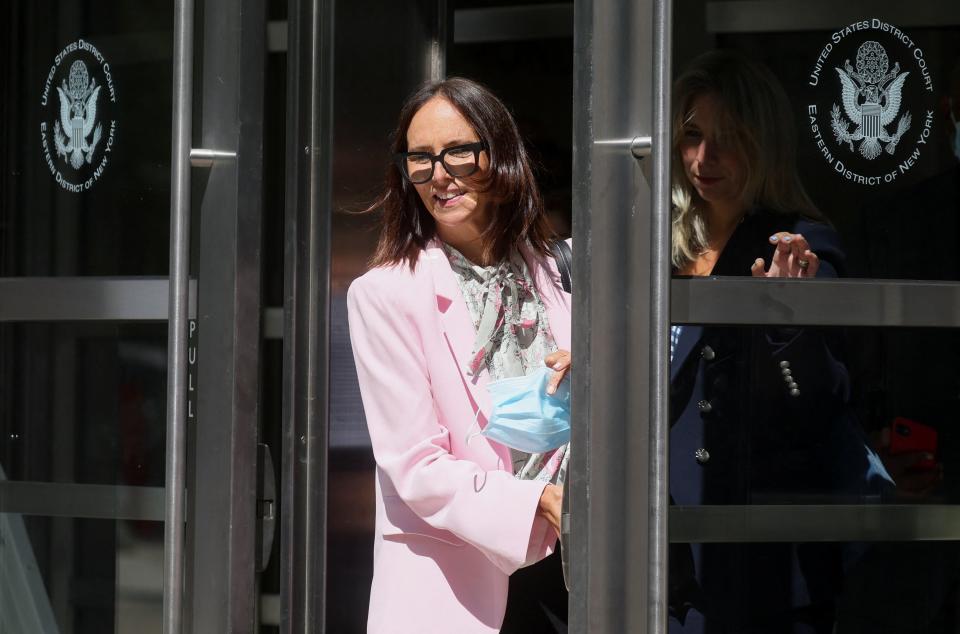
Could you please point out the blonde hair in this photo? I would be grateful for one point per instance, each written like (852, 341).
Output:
(757, 122)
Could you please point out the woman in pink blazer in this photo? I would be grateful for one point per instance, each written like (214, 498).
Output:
(453, 521)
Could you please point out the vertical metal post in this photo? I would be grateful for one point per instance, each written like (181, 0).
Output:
(616, 492)
(306, 338)
(221, 585)
(177, 317)
(660, 269)
(577, 495)
(439, 41)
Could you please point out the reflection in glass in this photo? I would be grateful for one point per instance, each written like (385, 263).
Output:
(758, 415)
(83, 403)
(80, 576)
(86, 149)
(815, 416)
(901, 229)
(139, 566)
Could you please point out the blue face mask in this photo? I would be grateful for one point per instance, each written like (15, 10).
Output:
(525, 417)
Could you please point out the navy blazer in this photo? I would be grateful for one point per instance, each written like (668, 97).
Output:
(760, 415)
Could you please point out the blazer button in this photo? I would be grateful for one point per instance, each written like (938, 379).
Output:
(794, 392)
(702, 455)
(708, 354)
(784, 364)
(705, 407)
(786, 372)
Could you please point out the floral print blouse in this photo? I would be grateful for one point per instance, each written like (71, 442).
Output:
(513, 338)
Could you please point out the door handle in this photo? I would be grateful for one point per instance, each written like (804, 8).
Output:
(266, 505)
(639, 146)
(203, 157)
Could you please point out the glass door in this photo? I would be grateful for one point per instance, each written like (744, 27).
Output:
(327, 483)
(83, 306)
(792, 469)
(90, 273)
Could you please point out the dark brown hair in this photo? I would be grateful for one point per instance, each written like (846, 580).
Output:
(517, 216)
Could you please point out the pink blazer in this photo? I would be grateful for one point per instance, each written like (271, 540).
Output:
(452, 522)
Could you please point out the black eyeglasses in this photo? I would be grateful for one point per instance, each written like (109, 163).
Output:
(459, 161)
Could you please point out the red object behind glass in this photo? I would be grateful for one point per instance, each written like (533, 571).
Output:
(907, 436)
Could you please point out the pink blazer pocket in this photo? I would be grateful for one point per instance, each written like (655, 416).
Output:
(398, 520)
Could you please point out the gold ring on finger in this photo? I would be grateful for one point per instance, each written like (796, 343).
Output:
(803, 264)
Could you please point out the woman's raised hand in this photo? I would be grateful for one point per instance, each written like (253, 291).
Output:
(793, 258)
(559, 361)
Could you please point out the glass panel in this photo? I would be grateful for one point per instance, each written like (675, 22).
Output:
(823, 418)
(766, 405)
(873, 96)
(857, 588)
(80, 576)
(819, 464)
(361, 153)
(83, 403)
(87, 145)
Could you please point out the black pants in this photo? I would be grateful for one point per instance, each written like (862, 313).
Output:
(537, 600)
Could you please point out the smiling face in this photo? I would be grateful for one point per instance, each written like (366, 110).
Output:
(461, 211)
(714, 168)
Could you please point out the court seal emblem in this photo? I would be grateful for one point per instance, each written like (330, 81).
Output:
(77, 133)
(862, 134)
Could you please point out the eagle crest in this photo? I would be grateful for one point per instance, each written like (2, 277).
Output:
(871, 99)
(78, 116)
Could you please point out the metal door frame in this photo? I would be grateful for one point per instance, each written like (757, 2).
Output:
(306, 330)
(220, 556)
(617, 490)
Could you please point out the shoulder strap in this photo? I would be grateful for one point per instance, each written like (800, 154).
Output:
(564, 257)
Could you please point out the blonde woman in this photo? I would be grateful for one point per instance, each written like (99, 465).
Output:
(758, 414)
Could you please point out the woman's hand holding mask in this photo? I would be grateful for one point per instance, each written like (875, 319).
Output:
(559, 361)
(551, 499)
(792, 258)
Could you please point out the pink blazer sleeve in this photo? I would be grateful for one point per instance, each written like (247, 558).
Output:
(490, 510)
